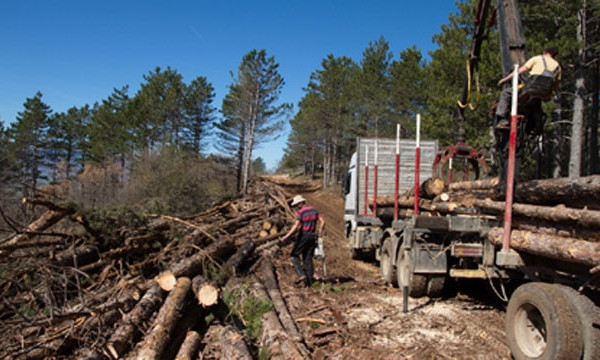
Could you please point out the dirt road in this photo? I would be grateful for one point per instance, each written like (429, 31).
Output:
(352, 314)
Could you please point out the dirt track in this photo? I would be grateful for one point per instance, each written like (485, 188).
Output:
(352, 314)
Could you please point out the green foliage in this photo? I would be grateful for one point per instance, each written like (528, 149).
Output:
(175, 182)
(247, 307)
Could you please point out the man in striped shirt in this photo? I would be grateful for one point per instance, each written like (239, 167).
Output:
(310, 225)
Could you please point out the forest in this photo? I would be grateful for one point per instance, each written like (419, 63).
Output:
(108, 153)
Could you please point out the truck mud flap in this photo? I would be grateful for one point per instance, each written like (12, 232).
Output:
(429, 261)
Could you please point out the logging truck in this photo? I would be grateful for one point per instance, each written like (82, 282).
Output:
(424, 235)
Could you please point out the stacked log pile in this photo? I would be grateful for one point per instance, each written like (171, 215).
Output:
(77, 284)
(553, 218)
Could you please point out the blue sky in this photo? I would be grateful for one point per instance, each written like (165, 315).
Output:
(76, 51)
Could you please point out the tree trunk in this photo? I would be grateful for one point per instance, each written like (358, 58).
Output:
(270, 280)
(560, 213)
(578, 103)
(233, 345)
(432, 187)
(482, 184)
(274, 338)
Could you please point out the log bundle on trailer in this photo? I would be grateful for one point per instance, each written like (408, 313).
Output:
(150, 287)
(558, 219)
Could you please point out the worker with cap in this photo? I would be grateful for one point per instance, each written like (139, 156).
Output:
(310, 225)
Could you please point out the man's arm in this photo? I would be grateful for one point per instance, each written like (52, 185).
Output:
(321, 226)
(523, 69)
(292, 230)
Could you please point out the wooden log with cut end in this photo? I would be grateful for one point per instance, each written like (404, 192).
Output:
(432, 187)
(206, 293)
(550, 246)
(573, 192)
(130, 325)
(190, 346)
(263, 234)
(233, 345)
(158, 338)
(166, 280)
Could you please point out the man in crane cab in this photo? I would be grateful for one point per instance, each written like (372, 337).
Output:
(544, 78)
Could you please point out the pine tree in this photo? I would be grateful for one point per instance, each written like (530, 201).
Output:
(257, 87)
(28, 144)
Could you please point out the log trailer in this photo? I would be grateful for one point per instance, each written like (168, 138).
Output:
(540, 254)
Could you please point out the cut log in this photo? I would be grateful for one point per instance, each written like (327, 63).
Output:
(131, 325)
(263, 234)
(233, 345)
(190, 346)
(274, 338)
(206, 293)
(158, 338)
(432, 187)
(233, 264)
(45, 221)
(269, 278)
(560, 213)
(192, 265)
(573, 192)
(553, 247)
(483, 184)
(166, 280)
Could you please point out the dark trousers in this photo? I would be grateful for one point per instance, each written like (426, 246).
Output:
(304, 247)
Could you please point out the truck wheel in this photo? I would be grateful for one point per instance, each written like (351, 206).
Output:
(589, 318)
(435, 285)
(355, 254)
(417, 283)
(387, 268)
(542, 324)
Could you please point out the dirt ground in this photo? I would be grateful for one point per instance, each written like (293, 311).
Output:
(352, 314)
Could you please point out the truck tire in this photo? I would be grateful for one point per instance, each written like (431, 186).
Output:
(435, 285)
(417, 283)
(589, 318)
(387, 268)
(542, 324)
(355, 254)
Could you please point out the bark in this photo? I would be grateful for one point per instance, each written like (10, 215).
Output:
(193, 265)
(553, 247)
(190, 346)
(560, 213)
(578, 103)
(131, 324)
(233, 345)
(577, 192)
(482, 184)
(274, 338)
(166, 321)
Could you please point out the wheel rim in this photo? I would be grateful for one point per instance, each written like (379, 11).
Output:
(530, 330)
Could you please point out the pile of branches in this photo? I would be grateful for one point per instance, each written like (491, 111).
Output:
(557, 219)
(115, 285)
